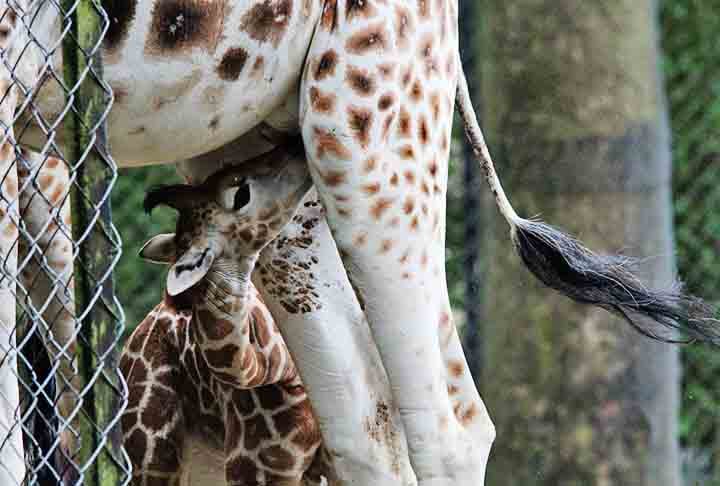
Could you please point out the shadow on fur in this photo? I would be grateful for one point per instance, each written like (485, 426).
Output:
(564, 264)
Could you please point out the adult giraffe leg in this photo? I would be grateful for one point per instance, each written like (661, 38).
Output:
(45, 255)
(12, 463)
(376, 115)
(304, 284)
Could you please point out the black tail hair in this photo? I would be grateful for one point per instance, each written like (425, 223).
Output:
(564, 264)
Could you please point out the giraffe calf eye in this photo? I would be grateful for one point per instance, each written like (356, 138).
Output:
(242, 197)
(235, 197)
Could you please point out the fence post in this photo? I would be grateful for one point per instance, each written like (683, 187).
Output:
(101, 460)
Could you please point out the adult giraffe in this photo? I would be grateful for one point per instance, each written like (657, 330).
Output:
(375, 106)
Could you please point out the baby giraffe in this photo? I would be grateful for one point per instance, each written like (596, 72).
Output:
(214, 397)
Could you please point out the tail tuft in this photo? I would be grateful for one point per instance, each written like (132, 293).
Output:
(564, 264)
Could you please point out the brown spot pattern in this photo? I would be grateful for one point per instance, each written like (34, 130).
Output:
(326, 65)
(180, 25)
(360, 81)
(372, 38)
(360, 121)
(267, 21)
(232, 64)
(320, 102)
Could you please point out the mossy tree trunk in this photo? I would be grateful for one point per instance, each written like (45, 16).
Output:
(576, 120)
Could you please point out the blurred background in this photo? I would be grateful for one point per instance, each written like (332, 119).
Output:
(603, 118)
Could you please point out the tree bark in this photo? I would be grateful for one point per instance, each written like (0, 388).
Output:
(576, 121)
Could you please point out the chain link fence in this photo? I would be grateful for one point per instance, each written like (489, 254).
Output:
(692, 67)
(61, 394)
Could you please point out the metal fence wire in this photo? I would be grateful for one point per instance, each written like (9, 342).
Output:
(61, 394)
(692, 60)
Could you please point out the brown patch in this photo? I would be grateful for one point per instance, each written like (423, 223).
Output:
(360, 239)
(260, 326)
(404, 125)
(179, 25)
(425, 189)
(276, 457)
(267, 21)
(218, 329)
(258, 66)
(120, 16)
(360, 122)
(423, 131)
(403, 26)
(222, 357)
(394, 179)
(256, 431)
(453, 390)
(329, 15)
(359, 8)
(433, 168)
(372, 38)
(416, 91)
(360, 81)
(334, 178)
(386, 245)
(159, 409)
(271, 397)
(371, 189)
(232, 64)
(370, 164)
(435, 106)
(328, 143)
(241, 467)
(320, 102)
(424, 8)
(380, 206)
(409, 205)
(455, 368)
(406, 152)
(468, 415)
(214, 122)
(414, 223)
(307, 433)
(386, 101)
(326, 65)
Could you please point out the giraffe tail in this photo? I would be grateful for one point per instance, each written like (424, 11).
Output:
(562, 263)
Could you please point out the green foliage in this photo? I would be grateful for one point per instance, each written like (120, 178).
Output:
(692, 69)
(138, 284)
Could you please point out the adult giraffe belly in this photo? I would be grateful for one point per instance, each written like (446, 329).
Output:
(190, 75)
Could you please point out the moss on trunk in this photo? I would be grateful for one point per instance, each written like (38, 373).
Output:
(100, 458)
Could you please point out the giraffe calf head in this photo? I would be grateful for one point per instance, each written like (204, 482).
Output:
(226, 221)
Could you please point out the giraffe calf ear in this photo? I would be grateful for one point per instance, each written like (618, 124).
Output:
(159, 249)
(189, 269)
